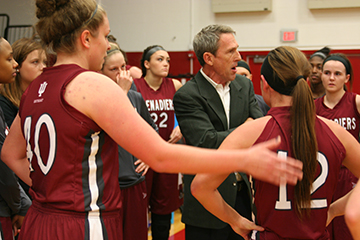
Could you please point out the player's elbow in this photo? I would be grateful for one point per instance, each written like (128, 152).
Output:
(196, 189)
(352, 217)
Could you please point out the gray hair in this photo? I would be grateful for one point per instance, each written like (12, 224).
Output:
(207, 40)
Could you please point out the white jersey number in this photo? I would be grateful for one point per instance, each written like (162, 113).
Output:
(44, 119)
(284, 204)
(163, 116)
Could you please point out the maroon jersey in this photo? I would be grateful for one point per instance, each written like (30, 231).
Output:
(344, 113)
(163, 188)
(159, 104)
(74, 163)
(275, 205)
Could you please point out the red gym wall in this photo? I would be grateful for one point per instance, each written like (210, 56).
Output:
(181, 63)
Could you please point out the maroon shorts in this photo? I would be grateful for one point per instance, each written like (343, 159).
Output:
(164, 192)
(338, 228)
(6, 228)
(134, 203)
(42, 223)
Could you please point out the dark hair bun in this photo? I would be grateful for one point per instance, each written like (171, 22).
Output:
(46, 8)
(325, 50)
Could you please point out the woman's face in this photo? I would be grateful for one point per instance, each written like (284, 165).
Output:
(7, 63)
(334, 76)
(113, 64)
(159, 64)
(100, 46)
(32, 66)
(316, 65)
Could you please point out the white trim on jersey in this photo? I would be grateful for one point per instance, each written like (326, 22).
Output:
(95, 226)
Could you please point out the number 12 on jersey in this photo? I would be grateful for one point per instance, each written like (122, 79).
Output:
(284, 204)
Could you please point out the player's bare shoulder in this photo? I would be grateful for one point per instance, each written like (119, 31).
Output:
(338, 130)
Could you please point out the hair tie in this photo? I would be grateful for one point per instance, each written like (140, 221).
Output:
(299, 77)
(152, 51)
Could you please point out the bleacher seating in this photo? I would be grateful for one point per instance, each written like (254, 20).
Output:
(14, 32)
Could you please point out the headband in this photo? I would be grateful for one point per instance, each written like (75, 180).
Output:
(92, 16)
(340, 59)
(152, 51)
(244, 65)
(275, 82)
(112, 50)
(320, 54)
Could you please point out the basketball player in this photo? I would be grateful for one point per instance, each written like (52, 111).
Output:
(342, 107)
(316, 60)
(13, 200)
(131, 170)
(158, 91)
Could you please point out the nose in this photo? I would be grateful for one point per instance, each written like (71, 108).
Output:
(166, 65)
(15, 64)
(332, 76)
(108, 45)
(238, 56)
(314, 69)
(42, 66)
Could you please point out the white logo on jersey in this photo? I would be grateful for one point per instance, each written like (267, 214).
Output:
(42, 88)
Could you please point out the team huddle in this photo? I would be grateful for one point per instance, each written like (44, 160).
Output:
(93, 167)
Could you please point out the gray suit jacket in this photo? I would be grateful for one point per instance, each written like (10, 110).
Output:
(203, 123)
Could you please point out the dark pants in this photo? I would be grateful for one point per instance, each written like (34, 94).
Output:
(242, 205)
(160, 226)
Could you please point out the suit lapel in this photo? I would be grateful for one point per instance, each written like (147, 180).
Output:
(208, 92)
(235, 104)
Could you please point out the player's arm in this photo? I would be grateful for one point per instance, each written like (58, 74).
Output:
(204, 186)
(13, 152)
(176, 134)
(96, 96)
(357, 101)
(352, 212)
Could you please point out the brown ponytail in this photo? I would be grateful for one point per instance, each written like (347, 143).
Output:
(304, 142)
(291, 65)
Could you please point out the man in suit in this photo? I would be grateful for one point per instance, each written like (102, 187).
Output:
(208, 108)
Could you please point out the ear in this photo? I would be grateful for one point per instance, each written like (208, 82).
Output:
(85, 37)
(147, 64)
(347, 78)
(208, 58)
(250, 76)
(263, 83)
